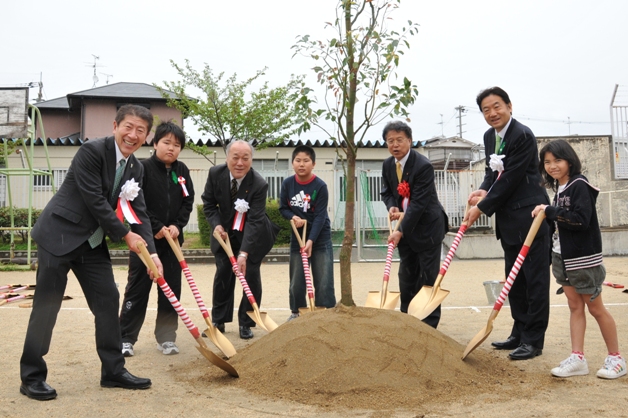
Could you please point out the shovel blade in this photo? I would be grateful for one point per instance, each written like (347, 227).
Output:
(217, 361)
(374, 299)
(423, 307)
(480, 336)
(263, 320)
(220, 340)
(309, 310)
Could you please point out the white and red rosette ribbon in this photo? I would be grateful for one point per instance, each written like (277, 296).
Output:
(403, 189)
(241, 207)
(306, 202)
(128, 192)
(496, 163)
(181, 181)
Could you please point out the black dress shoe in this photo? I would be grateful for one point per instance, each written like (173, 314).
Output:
(509, 344)
(126, 381)
(525, 352)
(38, 390)
(246, 333)
(220, 327)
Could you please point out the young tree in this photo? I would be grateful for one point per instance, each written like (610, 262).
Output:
(227, 113)
(356, 67)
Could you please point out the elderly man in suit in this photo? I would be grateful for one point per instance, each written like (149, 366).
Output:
(70, 236)
(511, 196)
(250, 231)
(408, 186)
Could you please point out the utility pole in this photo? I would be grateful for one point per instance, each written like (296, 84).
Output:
(460, 110)
(441, 123)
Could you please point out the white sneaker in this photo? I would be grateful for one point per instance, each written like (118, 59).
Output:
(168, 348)
(127, 350)
(292, 316)
(571, 366)
(614, 367)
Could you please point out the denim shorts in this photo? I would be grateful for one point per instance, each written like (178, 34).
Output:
(586, 281)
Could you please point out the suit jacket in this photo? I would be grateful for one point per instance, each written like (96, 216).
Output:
(84, 201)
(519, 188)
(425, 222)
(259, 233)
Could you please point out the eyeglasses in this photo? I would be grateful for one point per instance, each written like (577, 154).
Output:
(397, 141)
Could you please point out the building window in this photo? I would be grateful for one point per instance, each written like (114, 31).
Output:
(43, 182)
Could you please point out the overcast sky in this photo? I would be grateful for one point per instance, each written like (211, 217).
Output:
(559, 60)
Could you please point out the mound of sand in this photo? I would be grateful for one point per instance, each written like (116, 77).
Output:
(367, 359)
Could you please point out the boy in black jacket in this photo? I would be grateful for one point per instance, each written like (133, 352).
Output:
(169, 196)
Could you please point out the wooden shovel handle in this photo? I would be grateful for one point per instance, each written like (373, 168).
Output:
(174, 245)
(225, 244)
(390, 228)
(301, 236)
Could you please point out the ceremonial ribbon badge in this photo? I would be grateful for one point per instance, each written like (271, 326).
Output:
(404, 191)
(128, 192)
(241, 206)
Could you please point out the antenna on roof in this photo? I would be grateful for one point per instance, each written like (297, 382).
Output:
(107, 75)
(95, 65)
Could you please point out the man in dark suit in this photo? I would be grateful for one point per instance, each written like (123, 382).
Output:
(251, 238)
(70, 236)
(511, 196)
(424, 224)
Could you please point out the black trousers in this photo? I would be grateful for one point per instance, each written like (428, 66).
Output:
(415, 270)
(224, 285)
(137, 293)
(92, 268)
(529, 295)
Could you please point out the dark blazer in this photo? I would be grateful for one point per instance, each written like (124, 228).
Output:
(83, 202)
(425, 222)
(519, 188)
(259, 233)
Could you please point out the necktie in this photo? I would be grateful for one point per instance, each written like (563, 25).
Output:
(99, 234)
(498, 144)
(399, 172)
(234, 189)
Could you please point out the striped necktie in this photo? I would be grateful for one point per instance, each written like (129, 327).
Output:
(99, 234)
(234, 189)
(399, 172)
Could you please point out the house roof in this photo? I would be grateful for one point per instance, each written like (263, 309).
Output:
(122, 90)
(451, 142)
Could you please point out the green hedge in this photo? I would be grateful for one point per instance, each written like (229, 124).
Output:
(272, 210)
(20, 218)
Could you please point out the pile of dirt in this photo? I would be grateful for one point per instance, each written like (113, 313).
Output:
(361, 358)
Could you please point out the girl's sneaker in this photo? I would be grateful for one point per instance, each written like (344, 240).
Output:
(571, 366)
(614, 367)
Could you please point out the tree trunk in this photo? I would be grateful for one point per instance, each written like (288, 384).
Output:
(350, 99)
(347, 241)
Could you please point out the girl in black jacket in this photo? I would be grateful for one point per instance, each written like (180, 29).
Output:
(577, 257)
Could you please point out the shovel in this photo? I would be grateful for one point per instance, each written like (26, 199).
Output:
(215, 336)
(261, 318)
(485, 332)
(306, 268)
(385, 299)
(430, 297)
(202, 347)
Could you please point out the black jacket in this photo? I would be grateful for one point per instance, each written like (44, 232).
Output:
(519, 188)
(164, 198)
(575, 215)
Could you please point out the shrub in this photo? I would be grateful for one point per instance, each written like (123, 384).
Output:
(20, 218)
(204, 228)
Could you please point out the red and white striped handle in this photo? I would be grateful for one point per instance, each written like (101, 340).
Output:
(389, 257)
(194, 289)
(308, 276)
(452, 249)
(511, 277)
(240, 276)
(178, 308)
